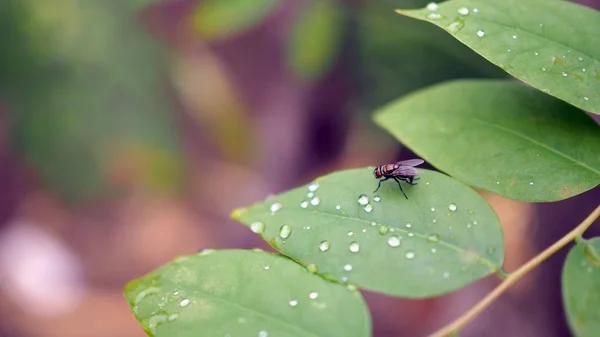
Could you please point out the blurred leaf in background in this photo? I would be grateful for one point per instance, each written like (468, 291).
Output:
(88, 106)
(397, 56)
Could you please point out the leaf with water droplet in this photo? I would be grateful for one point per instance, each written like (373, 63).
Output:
(216, 19)
(395, 255)
(522, 37)
(500, 136)
(241, 293)
(580, 291)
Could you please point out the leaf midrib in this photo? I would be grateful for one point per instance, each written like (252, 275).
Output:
(492, 265)
(542, 145)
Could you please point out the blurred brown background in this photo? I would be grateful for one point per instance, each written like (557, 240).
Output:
(130, 129)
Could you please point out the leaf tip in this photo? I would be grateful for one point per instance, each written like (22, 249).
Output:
(237, 213)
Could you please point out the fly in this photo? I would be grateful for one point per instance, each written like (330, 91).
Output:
(402, 170)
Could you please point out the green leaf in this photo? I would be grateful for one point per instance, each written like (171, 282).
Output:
(546, 44)
(580, 290)
(499, 136)
(315, 39)
(217, 19)
(244, 293)
(88, 101)
(441, 239)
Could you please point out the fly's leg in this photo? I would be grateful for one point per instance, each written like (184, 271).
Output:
(379, 185)
(411, 180)
(400, 185)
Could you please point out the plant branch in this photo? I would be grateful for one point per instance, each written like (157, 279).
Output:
(516, 276)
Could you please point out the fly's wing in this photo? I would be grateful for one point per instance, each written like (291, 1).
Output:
(406, 171)
(411, 162)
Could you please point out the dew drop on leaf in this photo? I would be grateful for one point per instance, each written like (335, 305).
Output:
(263, 334)
(394, 241)
(446, 275)
(312, 268)
(275, 207)
(324, 245)
(432, 6)
(338, 207)
(315, 201)
(347, 267)
(184, 302)
(266, 267)
(373, 223)
(463, 11)
(313, 186)
(410, 255)
(383, 229)
(434, 16)
(354, 247)
(363, 199)
(304, 204)
(408, 225)
(285, 231)
(377, 198)
(433, 238)
(480, 33)
(257, 227)
(350, 233)
(368, 208)
(293, 303)
(433, 209)
(313, 295)
(452, 207)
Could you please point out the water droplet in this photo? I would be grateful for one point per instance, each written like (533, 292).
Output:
(263, 334)
(155, 321)
(434, 16)
(145, 293)
(514, 36)
(172, 317)
(354, 247)
(474, 222)
(344, 279)
(383, 229)
(184, 303)
(468, 225)
(433, 209)
(373, 223)
(564, 74)
(266, 267)
(312, 268)
(536, 53)
(408, 225)
(364, 230)
(313, 186)
(480, 33)
(427, 183)
(434, 221)
(368, 208)
(206, 251)
(351, 287)
(338, 207)
(463, 11)
(324, 245)
(433, 250)
(394, 241)
(531, 183)
(471, 211)
(293, 303)
(315, 201)
(497, 183)
(432, 6)
(585, 98)
(446, 274)
(350, 233)
(580, 58)
(410, 255)
(583, 69)
(411, 234)
(363, 199)
(304, 204)
(475, 10)
(347, 267)
(285, 231)
(313, 295)
(490, 250)
(509, 52)
(452, 207)
(377, 198)
(257, 227)
(310, 194)
(433, 238)
(455, 27)
(276, 206)
(543, 69)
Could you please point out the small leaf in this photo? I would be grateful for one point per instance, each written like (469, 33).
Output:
(315, 39)
(244, 293)
(546, 44)
(442, 238)
(499, 136)
(581, 294)
(216, 19)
